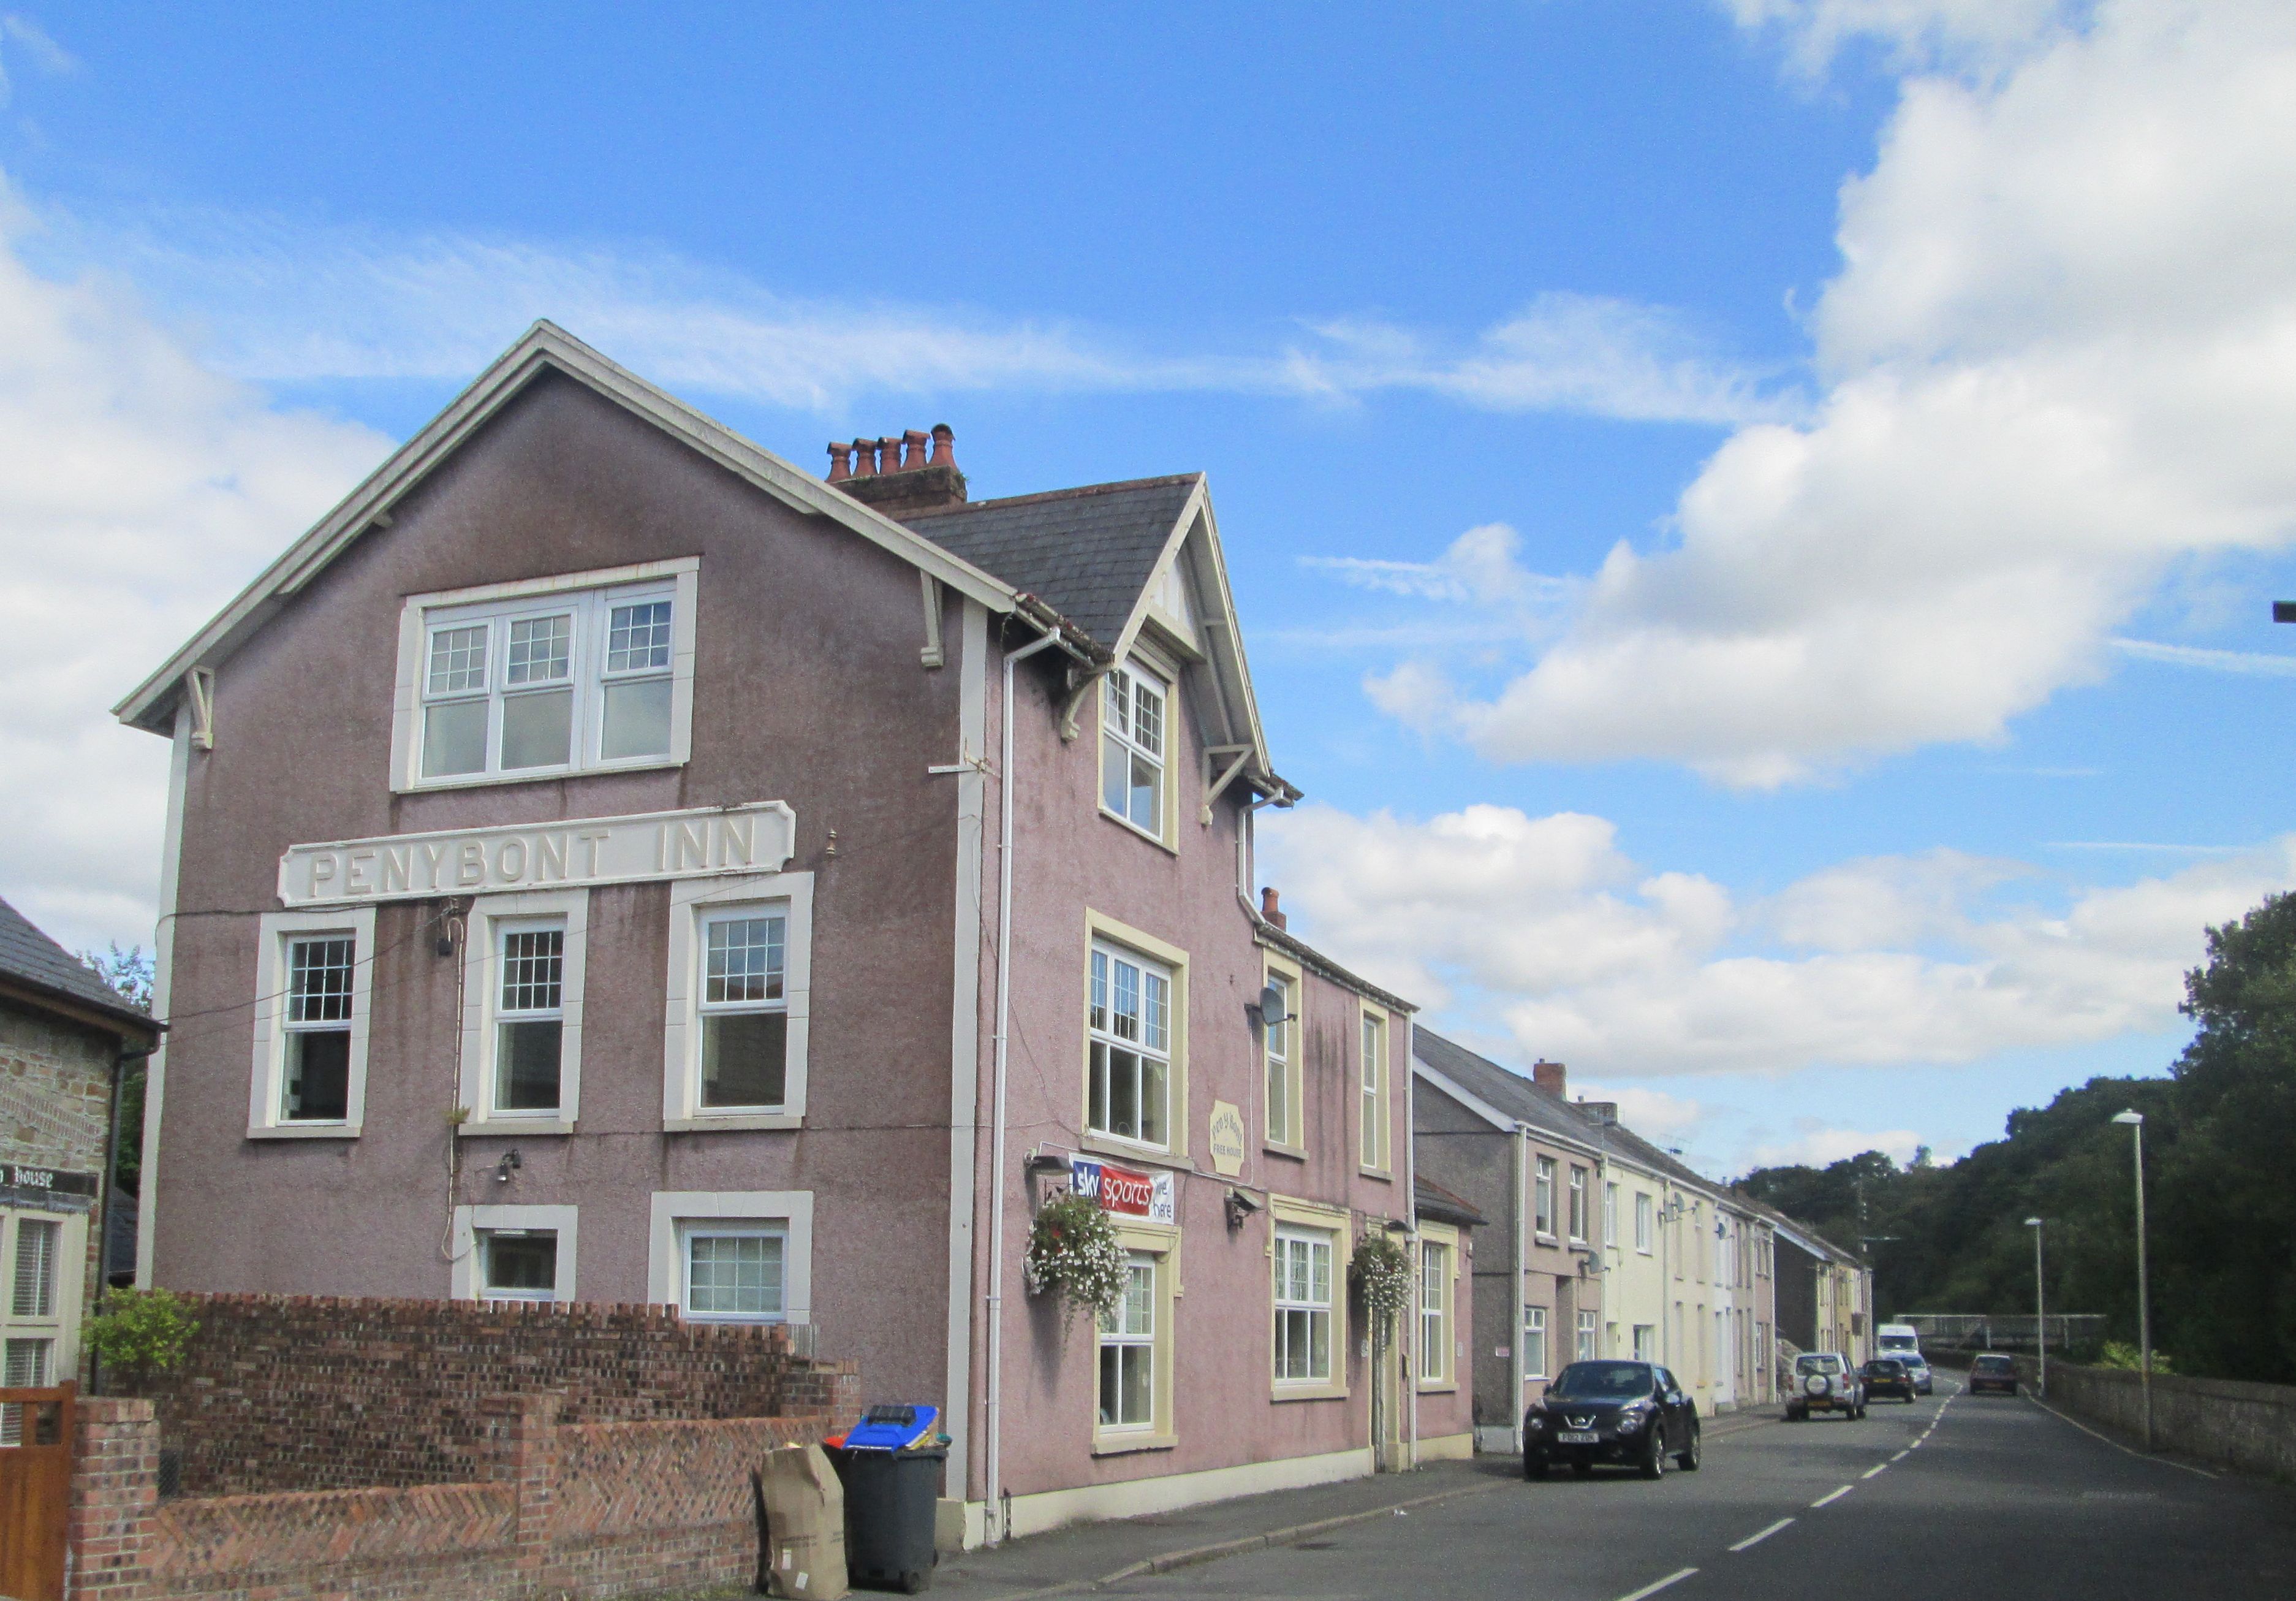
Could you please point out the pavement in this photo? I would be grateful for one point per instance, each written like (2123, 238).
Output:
(1955, 1495)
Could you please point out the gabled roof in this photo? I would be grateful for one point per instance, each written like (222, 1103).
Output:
(1315, 960)
(1509, 1094)
(545, 347)
(1094, 554)
(1088, 553)
(31, 961)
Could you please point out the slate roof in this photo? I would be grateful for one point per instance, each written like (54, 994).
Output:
(31, 959)
(1086, 553)
(1433, 1200)
(1512, 1094)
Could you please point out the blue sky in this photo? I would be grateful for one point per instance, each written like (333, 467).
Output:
(1754, 520)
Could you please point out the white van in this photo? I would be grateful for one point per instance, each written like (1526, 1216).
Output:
(1899, 1339)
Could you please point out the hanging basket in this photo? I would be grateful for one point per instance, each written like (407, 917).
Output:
(1381, 1272)
(1073, 1255)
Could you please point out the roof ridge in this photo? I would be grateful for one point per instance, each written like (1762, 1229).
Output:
(1040, 495)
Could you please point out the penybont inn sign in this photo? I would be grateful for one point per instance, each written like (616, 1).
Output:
(570, 853)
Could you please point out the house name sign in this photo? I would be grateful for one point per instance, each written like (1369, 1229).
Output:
(571, 853)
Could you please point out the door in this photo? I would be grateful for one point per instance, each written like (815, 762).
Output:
(36, 1464)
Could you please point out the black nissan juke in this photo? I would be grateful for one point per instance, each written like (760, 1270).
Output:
(1631, 1414)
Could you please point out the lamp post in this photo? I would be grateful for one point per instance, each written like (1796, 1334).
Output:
(2136, 1121)
(2040, 1306)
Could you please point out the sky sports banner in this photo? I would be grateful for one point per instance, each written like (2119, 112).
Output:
(1121, 1190)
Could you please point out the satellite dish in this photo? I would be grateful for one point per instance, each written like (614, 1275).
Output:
(1271, 1007)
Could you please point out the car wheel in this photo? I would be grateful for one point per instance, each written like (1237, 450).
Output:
(1654, 1453)
(1796, 1415)
(1534, 1465)
(1687, 1461)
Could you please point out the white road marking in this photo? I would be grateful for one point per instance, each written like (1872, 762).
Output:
(1836, 1496)
(1901, 1456)
(2116, 1445)
(1756, 1539)
(1877, 1468)
(1652, 1589)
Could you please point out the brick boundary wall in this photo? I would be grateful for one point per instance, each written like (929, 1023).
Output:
(570, 1510)
(282, 1392)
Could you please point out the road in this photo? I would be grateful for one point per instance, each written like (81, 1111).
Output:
(1958, 1497)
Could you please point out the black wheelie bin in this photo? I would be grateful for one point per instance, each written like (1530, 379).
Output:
(891, 1464)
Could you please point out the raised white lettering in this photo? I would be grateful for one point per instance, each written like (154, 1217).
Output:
(470, 863)
(549, 856)
(692, 846)
(322, 872)
(594, 841)
(435, 855)
(732, 831)
(397, 869)
(506, 869)
(357, 881)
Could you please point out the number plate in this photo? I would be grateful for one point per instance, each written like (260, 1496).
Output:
(1568, 1437)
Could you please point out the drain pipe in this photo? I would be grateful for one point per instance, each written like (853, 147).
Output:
(993, 1488)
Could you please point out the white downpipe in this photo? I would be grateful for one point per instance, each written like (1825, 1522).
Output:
(993, 1488)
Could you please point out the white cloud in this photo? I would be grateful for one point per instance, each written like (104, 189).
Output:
(2060, 359)
(137, 492)
(1815, 1145)
(288, 301)
(1542, 931)
(1968, 33)
(20, 33)
(2258, 664)
(1663, 1120)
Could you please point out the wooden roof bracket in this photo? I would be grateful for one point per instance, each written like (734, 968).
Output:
(1241, 754)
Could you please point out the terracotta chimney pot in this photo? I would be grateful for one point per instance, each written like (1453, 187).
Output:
(889, 455)
(840, 462)
(1268, 910)
(1548, 1076)
(913, 449)
(944, 446)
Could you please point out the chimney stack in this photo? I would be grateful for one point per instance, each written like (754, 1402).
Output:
(1548, 1076)
(895, 475)
(1268, 910)
(1605, 1112)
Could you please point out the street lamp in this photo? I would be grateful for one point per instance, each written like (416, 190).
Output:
(2040, 1306)
(2136, 1121)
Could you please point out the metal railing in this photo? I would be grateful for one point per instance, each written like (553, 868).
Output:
(2004, 1331)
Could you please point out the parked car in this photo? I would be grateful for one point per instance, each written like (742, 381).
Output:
(1992, 1371)
(1629, 1413)
(1888, 1376)
(1918, 1365)
(1824, 1380)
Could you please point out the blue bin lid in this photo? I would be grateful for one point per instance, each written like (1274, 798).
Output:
(892, 1428)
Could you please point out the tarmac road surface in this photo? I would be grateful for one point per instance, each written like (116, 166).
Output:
(1953, 1498)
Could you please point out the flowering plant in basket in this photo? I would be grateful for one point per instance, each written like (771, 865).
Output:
(1380, 1270)
(1073, 1255)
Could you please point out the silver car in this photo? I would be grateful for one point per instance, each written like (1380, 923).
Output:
(1824, 1381)
(1915, 1366)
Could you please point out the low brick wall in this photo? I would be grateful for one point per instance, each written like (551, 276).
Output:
(283, 1393)
(2246, 1426)
(586, 1510)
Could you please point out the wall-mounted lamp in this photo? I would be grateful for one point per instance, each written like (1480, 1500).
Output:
(1240, 1206)
(510, 1162)
(1043, 1164)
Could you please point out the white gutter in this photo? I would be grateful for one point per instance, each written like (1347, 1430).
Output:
(994, 1514)
(1521, 1167)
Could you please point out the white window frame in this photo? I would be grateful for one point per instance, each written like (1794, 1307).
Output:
(1534, 1339)
(1280, 1056)
(676, 1211)
(1645, 1342)
(1646, 1221)
(692, 902)
(590, 596)
(1438, 1258)
(1111, 953)
(57, 1327)
(1292, 1239)
(267, 1082)
(1609, 1215)
(1542, 1197)
(481, 982)
(1136, 673)
(1149, 1345)
(1374, 1090)
(1575, 1204)
(472, 1221)
(1588, 1334)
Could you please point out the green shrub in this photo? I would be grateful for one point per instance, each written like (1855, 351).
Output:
(142, 1331)
(2119, 1353)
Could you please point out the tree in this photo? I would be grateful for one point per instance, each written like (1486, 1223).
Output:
(130, 974)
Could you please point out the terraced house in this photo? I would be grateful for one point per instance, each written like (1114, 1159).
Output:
(606, 862)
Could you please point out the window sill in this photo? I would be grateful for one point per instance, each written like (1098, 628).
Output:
(1439, 1387)
(1121, 1445)
(1277, 1148)
(1112, 1145)
(511, 1128)
(1138, 832)
(1384, 1175)
(474, 781)
(1309, 1392)
(733, 1122)
(303, 1132)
